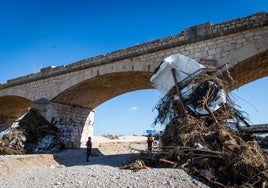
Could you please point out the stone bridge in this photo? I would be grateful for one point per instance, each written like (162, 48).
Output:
(67, 95)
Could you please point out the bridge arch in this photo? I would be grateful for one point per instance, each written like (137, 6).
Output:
(250, 70)
(95, 91)
(247, 63)
(12, 107)
(74, 90)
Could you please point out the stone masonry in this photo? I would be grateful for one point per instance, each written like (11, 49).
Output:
(240, 44)
(75, 123)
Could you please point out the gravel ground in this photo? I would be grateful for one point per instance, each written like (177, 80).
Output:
(69, 169)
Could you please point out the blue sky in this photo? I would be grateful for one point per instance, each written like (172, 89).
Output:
(39, 33)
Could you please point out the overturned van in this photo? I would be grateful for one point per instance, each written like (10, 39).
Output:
(179, 70)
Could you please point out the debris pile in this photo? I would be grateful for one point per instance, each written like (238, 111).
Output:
(202, 128)
(138, 164)
(30, 134)
(218, 154)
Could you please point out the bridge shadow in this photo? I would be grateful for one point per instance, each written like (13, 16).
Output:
(77, 157)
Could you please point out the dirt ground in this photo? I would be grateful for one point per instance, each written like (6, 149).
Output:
(122, 144)
(68, 168)
(101, 146)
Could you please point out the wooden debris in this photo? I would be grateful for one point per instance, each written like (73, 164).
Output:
(174, 164)
(203, 145)
(136, 165)
(24, 138)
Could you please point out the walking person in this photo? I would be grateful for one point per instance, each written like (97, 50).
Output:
(150, 144)
(89, 147)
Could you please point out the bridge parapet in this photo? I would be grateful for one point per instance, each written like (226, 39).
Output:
(189, 35)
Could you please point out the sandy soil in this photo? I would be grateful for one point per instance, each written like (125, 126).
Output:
(69, 169)
(124, 144)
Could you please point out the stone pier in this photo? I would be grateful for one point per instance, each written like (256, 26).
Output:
(75, 123)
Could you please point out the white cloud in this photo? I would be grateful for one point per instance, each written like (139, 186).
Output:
(134, 108)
